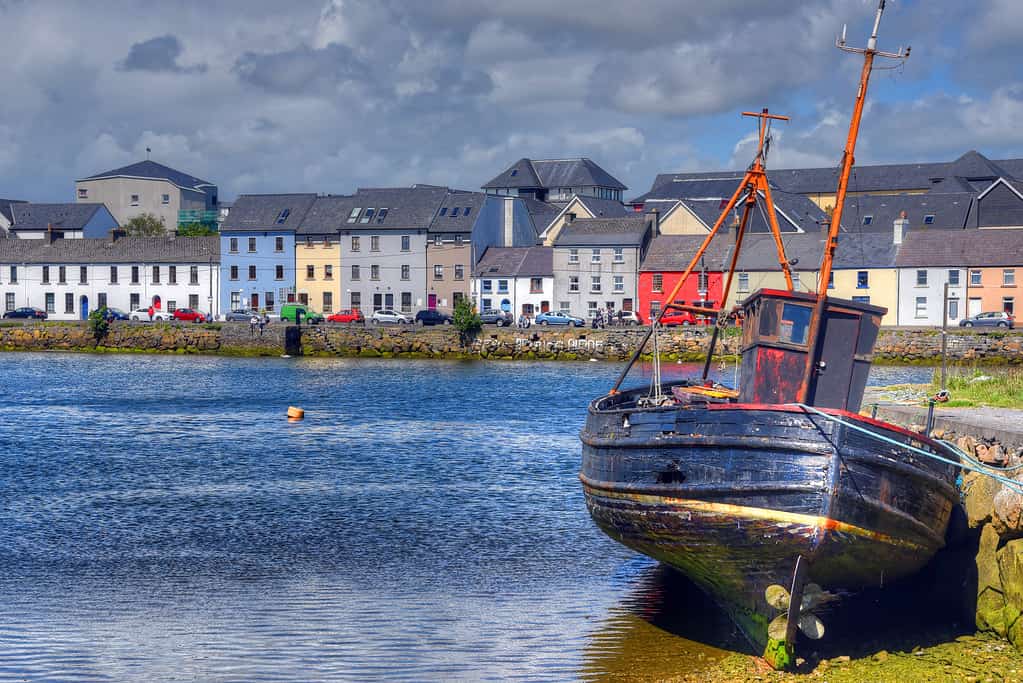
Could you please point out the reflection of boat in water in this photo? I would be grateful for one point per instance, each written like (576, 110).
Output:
(777, 497)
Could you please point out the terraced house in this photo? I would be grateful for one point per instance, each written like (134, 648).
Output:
(318, 255)
(70, 221)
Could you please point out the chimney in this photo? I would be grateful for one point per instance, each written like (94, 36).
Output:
(899, 227)
(655, 220)
(509, 222)
(117, 233)
(50, 234)
(569, 218)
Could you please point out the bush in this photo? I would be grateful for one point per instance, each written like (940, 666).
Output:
(98, 324)
(467, 321)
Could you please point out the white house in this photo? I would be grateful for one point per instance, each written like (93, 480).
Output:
(519, 280)
(67, 278)
(927, 260)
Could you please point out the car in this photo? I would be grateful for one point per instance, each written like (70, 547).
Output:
(389, 315)
(29, 312)
(114, 314)
(493, 316)
(559, 318)
(189, 315)
(433, 317)
(674, 318)
(240, 315)
(347, 316)
(628, 318)
(143, 314)
(293, 312)
(1001, 319)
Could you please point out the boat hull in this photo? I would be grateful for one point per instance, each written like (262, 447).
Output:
(732, 495)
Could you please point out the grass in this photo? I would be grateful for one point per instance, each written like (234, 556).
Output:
(973, 387)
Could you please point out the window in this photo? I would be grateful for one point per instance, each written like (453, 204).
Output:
(921, 307)
(929, 219)
(795, 281)
(326, 241)
(406, 302)
(701, 282)
(658, 282)
(595, 284)
(921, 278)
(444, 211)
(459, 272)
(83, 193)
(233, 245)
(278, 245)
(1009, 305)
(573, 283)
(975, 278)
(172, 275)
(69, 302)
(381, 215)
(466, 210)
(831, 280)
(655, 309)
(283, 216)
(14, 275)
(135, 275)
(328, 302)
(953, 309)
(134, 200)
(172, 305)
(354, 216)
(236, 301)
(438, 272)
(502, 286)
(795, 323)
(487, 286)
(193, 275)
(406, 243)
(133, 301)
(355, 243)
(193, 301)
(591, 309)
(278, 271)
(743, 282)
(51, 305)
(867, 220)
(268, 301)
(1009, 277)
(862, 299)
(374, 272)
(438, 241)
(234, 273)
(367, 215)
(310, 272)
(83, 275)
(862, 279)
(101, 300)
(374, 243)
(595, 256)
(536, 285)
(485, 304)
(62, 275)
(308, 241)
(113, 275)
(619, 283)
(454, 212)
(406, 272)
(573, 256)
(953, 277)
(355, 300)
(328, 272)
(165, 199)
(355, 272)
(459, 239)
(619, 255)
(252, 272)
(252, 245)
(303, 298)
(46, 275)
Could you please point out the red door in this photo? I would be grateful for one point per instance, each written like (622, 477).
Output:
(432, 302)
(254, 303)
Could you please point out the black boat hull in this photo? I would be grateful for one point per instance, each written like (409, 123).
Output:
(732, 495)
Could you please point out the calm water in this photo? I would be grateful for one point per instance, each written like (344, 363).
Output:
(161, 520)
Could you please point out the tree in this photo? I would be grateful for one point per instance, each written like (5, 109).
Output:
(145, 225)
(196, 230)
(467, 321)
(98, 324)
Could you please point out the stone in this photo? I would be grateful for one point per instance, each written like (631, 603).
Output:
(990, 597)
(978, 492)
(1007, 513)
(1010, 574)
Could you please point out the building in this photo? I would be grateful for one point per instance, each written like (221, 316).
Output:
(318, 254)
(6, 217)
(666, 261)
(70, 221)
(596, 262)
(70, 277)
(556, 180)
(257, 247)
(519, 280)
(449, 251)
(148, 187)
(583, 207)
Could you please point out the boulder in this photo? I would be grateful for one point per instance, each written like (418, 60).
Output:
(979, 492)
(1007, 513)
(990, 596)
(1010, 572)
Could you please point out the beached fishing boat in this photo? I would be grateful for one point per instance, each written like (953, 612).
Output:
(775, 497)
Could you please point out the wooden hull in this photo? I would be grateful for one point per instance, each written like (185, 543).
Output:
(732, 495)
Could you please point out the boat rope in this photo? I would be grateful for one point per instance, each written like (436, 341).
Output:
(1011, 484)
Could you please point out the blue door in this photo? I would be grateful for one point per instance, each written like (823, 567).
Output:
(83, 304)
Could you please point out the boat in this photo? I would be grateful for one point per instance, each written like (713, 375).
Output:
(776, 497)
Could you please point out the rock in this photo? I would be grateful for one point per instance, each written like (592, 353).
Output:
(1010, 574)
(990, 597)
(881, 656)
(978, 498)
(1007, 517)
(842, 659)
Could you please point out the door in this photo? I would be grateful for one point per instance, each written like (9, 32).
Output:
(157, 302)
(83, 304)
(388, 301)
(975, 306)
(545, 306)
(527, 310)
(431, 302)
(254, 301)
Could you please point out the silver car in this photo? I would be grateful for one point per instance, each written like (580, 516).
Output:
(240, 315)
(388, 315)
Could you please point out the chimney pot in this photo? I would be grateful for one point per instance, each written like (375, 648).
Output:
(899, 227)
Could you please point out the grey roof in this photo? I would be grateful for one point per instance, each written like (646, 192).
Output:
(542, 213)
(855, 250)
(70, 216)
(153, 170)
(672, 253)
(694, 188)
(950, 211)
(408, 208)
(5, 207)
(516, 262)
(460, 209)
(262, 211)
(993, 248)
(134, 250)
(794, 213)
(621, 231)
(604, 207)
(548, 173)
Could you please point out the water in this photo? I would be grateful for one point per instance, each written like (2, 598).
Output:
(161, 520)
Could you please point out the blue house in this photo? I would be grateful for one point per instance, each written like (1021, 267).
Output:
(257, 244)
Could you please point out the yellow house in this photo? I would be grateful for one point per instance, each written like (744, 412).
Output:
(318, 271)
(582, 207)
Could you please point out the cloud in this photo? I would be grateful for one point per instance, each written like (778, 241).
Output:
(302, 69)
(158, 54)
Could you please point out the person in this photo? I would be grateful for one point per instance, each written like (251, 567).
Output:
(262, 323)
(150, 311)
(253, 321)
(619, 318)
(298, 317)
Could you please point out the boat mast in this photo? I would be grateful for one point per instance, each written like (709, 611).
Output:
(848, 159)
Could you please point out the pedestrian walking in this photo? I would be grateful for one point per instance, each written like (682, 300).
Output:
(253, 322)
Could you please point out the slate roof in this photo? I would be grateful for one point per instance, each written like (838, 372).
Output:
(408, 208)
(548, 173)
(950, 211)
(516, 262)
(542, 213)
(701, 188)
(623, 231)
(261, 212)
(856, 250)
(793, 212)
(135, 250)
(71, 216)
(984, 248)
(462, 210)
(672, 253)
(5, 207)
(152, 170)
(604, 207)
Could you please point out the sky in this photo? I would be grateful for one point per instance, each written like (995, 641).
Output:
(330, 95)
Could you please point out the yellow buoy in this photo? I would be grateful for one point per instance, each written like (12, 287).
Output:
(296, 413)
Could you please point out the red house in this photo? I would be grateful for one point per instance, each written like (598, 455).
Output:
(667, 259)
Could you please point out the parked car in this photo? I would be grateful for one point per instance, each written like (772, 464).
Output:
(143, 314)
(290, 312)
(559, 318)
(388, 315)
(433, 317)
(674, 318)
(114, 314)
(628, 318)
(240, 315)
(1001, 319)
(188, 315)
(26, 312)
(493, 316)
(347, 316)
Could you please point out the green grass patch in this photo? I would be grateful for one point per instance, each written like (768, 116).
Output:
(974, 387)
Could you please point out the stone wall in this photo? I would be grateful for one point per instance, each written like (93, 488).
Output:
(967, 346)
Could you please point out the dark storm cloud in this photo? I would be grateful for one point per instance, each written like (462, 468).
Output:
(158, 54)
(302, 70)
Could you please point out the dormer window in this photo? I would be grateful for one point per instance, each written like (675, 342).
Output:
(83, 193)
(283, 216)
(466, 210)
(354, 215)
(444, 211)
(514, 172)
(381, 215)
(454, 212)
(367, 216)
(929, 219)
(867, 220)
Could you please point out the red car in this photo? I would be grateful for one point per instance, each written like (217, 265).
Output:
(346, 316)
(188, 315)
(674, 318)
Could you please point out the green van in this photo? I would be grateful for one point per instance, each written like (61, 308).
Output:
(290, 311)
